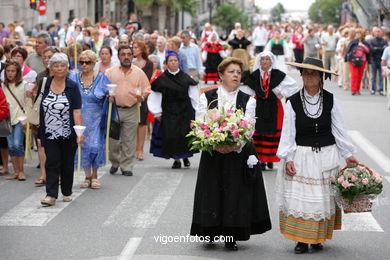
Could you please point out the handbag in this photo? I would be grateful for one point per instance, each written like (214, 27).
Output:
(115, 126)
(33, 114)
(357, 61)
(5, 127)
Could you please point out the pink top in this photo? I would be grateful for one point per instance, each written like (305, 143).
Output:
(297, 37)
(362, 51)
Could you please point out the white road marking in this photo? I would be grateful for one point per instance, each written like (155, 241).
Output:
(29, 212)
(130, 248)
(144, 205)
(387, 178)
(371, 150)
(362, 222)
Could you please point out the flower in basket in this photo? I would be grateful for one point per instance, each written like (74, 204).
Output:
(354, 182)
(221, 127)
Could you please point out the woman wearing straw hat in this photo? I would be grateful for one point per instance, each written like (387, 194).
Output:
(313, 137)
(270, 85)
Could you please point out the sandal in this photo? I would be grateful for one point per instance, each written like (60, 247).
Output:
(4, 172)
(95, 184)
(85, 184)
(13, 176)
(21, 177)
(40, 182)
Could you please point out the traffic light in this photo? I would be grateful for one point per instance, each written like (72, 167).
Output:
(33, 4)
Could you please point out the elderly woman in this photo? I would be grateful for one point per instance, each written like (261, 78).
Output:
(60, 110)
(173, 100)
(14, 91)
(105, 55)
(358, 54)
(312, 138)
(230, 198)
(93, 88)
(270, 85)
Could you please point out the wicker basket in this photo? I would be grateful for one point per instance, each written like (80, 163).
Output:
(361, 203)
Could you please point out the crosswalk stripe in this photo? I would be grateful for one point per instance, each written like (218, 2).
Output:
(29, 212)
(144, 205)
(371, 150)
(363, 222)
(130, 248)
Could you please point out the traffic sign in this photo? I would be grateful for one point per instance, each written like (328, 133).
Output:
(42, 7)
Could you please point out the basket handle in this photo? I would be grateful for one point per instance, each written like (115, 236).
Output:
(359, 164)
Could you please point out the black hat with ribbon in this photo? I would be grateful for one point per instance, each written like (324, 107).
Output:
(312, 64)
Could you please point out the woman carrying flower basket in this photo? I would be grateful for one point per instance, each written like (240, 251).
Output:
(230, 198)
(312, 138)
(270, 85)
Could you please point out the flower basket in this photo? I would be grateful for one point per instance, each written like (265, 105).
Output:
(356, 188)
(228, 127)
(361, 203)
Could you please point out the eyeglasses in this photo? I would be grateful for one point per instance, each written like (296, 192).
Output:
(87, 62)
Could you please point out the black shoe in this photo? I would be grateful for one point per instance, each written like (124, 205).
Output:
(373, 92)
(354, 93)
(113, 170)
(176, 164)
(317, 247)
(127, 173)
(231, 246)
(301, 248)
(381, 93)
(38, 166)
(270, 165)
(186, 162)
(263, 168)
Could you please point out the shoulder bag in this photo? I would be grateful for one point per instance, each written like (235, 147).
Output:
(115, 125)
(33, 114)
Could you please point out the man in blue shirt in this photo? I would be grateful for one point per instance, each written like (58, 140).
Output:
(192, 54)
(377, 45)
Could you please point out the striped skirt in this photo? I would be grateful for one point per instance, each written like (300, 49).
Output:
(267, 145)
(309, 231)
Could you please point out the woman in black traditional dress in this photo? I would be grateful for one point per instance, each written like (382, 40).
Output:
(269, 85)
(173, 100)
(230, 198)
(240, 45)
(212, 53)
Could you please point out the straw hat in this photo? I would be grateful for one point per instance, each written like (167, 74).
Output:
(312, 64)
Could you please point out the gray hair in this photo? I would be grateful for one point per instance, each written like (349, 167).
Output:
(162, 39)
(59, 57)
(153, 56)
(46, 37)
(185, 34)
(139, 36)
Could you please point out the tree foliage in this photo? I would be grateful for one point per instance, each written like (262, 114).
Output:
(326, 11)
(277, 12)
(227, 15)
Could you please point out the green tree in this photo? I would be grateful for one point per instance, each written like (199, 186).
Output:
(326, 11)
(277, 12)
(227, 15)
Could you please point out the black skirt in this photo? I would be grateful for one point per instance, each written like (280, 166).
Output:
(230, 198)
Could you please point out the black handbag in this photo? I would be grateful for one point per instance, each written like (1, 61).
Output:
(5, 127)
(357, 61)
(115, 125)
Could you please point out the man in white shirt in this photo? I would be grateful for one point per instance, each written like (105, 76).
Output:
(329, 43)
(160, 50)
(260, 38)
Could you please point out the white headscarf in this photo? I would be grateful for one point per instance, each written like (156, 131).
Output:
(211, 36)
(262, 54)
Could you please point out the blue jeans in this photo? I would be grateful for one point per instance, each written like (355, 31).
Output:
(376, 67)
(15, 141)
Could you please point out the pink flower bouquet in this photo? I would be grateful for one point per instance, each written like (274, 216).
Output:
(221, 127)
(355, 182)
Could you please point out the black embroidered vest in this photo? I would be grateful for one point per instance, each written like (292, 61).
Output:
(314, 132)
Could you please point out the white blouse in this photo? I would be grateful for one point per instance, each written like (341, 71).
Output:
(225, 99)
(155, 99)
(288, 146)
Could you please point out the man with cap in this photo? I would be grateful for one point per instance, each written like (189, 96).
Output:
(312, 138)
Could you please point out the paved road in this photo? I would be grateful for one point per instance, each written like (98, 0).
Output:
(130, 217)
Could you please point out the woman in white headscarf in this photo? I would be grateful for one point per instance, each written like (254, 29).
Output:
(212, 54)
(270, 85)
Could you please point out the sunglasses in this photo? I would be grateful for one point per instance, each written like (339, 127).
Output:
(87, 62)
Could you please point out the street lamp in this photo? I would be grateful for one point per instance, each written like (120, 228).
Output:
(210, 4)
